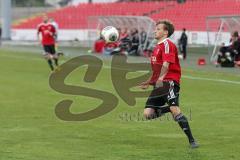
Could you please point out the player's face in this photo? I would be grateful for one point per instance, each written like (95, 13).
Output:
(234, 38)
(45, 19)
(160, 32)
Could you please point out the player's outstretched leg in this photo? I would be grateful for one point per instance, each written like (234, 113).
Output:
(47, 56)
(49, 60)
(55, 58)
(183, 123)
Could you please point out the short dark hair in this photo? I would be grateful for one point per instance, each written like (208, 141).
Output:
(235, 34)
(167, 26)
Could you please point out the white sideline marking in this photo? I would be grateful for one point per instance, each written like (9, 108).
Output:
(191, 77)
(108, 67)
(210, 79)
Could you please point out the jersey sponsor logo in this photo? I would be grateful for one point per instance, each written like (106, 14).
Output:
(154, 59)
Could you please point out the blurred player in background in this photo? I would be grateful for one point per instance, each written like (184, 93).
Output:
(48, 34)
(166, 80)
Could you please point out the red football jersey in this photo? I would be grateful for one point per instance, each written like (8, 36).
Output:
(165, 51)
(48, 32)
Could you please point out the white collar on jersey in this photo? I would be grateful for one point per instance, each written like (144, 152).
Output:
(163, 40)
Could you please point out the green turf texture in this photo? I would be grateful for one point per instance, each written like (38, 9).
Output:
(30, 129)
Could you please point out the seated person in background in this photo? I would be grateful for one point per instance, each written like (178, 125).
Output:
(135, 42)
(109, 48)
(225, 56)
(125, 46)
(125, 43)
(124, 34)
(99, 45)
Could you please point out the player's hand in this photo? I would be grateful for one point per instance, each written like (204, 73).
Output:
(158, 82)
(144, 85)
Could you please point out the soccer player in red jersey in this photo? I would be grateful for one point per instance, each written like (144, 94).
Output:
(48, 31)
(166, 80)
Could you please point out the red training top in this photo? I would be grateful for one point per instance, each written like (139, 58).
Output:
(48, 32)
(165, 51)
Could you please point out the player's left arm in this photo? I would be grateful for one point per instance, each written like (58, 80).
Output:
(163, 73)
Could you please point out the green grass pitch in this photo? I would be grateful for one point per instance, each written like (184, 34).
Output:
(30, 129)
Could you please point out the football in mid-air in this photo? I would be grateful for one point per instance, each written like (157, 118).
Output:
(110, 34)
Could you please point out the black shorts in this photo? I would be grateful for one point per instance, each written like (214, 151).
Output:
(167, 94)
(49, 49)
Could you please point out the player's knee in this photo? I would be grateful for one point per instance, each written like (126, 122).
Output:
(55, 56)
(48, 56)
(175, 110)
(149, 113)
